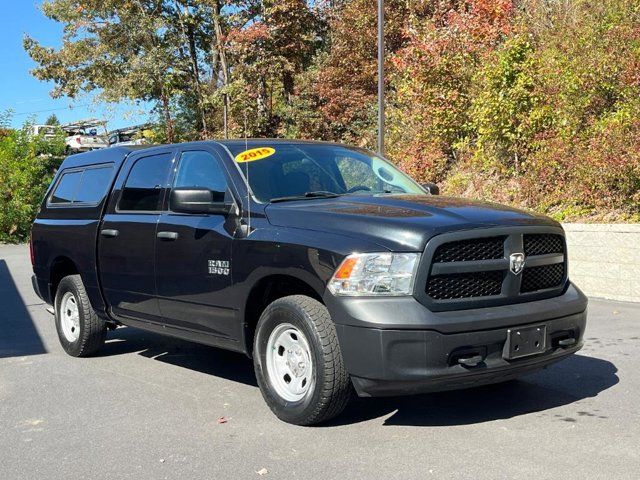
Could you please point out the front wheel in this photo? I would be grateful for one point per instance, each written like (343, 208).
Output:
(298, 362)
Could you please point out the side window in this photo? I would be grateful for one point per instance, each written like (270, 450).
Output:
(66, 188)
(145, 184)
(201, 170)
(88, 186)
(94, 185)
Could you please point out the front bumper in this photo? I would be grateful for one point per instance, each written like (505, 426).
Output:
(387, 353)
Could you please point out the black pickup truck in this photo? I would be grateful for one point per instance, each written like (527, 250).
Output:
(328, 266)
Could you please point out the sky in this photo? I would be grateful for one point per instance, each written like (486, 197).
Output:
(29, 97)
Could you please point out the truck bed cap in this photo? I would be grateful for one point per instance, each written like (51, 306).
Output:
(105, 155)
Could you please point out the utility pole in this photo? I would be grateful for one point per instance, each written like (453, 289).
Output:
(381, 101)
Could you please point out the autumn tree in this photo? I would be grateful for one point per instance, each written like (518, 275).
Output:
(342, 85)
(433, 75)
(271, 42)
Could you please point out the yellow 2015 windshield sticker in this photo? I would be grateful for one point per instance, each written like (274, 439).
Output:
(255, 154)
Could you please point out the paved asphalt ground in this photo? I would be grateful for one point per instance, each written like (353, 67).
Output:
(148, 408)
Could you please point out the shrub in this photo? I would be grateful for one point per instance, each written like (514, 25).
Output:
(433, 78)
(27, 165)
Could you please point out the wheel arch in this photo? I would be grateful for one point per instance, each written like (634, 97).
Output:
(60, 267)
(265, 291)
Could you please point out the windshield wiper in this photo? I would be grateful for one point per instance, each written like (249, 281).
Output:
(370, 192)
(307, 196)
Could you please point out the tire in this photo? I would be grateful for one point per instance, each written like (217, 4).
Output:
(83, 334)
(328, 389)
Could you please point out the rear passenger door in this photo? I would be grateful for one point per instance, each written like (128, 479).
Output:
(126, 244)
(193, 254)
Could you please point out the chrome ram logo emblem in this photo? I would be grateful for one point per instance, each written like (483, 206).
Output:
(516, 263)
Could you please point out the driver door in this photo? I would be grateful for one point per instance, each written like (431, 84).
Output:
(193, 254)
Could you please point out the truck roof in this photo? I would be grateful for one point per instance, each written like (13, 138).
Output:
(261, 141)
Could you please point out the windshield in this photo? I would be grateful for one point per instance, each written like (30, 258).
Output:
(279, 171)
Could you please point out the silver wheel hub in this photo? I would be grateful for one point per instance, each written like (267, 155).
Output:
(70, 317)
(289, 362)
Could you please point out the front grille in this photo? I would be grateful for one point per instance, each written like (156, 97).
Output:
(542, 278)
(542, 244)
(472, 272)
(469, 285)
(469, 250)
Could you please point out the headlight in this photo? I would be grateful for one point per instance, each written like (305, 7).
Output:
(375, 274)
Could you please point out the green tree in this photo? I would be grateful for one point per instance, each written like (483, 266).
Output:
(52, 120)
(183, 55)
(138, 50)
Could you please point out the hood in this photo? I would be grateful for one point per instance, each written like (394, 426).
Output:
(398, 222)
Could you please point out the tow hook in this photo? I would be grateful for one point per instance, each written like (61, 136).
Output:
(470, 361)
(567, 342)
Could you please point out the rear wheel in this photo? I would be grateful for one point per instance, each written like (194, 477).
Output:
(298, 362)
(80, 331)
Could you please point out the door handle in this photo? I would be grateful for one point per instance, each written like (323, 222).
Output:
(167, 235)
(109, 233)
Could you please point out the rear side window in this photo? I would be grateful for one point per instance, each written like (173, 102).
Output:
(67, 187)
(83, 187)
(145, 184)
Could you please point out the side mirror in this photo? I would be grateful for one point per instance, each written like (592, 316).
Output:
(432, 188)
(199, 201)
